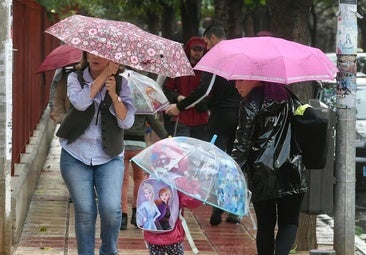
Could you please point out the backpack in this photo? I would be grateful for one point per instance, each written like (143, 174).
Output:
(153, 215)
(310, 134)
(157, 206)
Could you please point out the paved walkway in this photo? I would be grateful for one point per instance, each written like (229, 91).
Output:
(49, 227)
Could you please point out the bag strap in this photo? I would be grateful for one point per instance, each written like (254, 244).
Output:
(296, 101)
(293, 95)
(81, 80)
(188, 234)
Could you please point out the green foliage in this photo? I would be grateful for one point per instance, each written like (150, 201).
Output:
(54, 6)
(134, 11)
(250, 4)
(111, 9)
(358, 231)
(63, 8)
(207, 8)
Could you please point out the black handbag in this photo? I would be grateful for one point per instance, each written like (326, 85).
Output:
(310, 134)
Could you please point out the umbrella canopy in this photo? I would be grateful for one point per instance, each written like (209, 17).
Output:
(199, 169)
(124, 43)
(63, 55)
(267, 58)
(147, 94)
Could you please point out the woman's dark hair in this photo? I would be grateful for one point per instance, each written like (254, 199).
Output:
(83, 63)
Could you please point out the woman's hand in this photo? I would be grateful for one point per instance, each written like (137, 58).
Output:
(103, 78)
(110, 81)
(180, 98)
(119, 107)
(172, 109)
(111, 69)
(110, 85)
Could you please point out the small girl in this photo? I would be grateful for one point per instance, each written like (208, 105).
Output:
(171, 242)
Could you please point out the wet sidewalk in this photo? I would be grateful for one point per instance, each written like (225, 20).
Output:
(49, 227)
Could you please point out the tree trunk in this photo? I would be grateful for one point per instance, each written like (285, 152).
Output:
(290, 21)
(168, 21)
(153, 24)
(191, 16)
(306, 235)
(221, 13)
(235, 27)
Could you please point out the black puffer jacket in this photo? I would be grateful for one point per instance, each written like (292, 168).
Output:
(263, 145)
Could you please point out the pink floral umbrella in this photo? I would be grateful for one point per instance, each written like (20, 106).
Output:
(267, 59)
(63, 55)
(123, 43)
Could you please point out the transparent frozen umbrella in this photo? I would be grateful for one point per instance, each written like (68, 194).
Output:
(148, 97)
(208, 173)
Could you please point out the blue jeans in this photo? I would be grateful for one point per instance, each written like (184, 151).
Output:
(85, 183)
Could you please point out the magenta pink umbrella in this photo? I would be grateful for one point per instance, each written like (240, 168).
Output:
(267, 59)
(63, 55)
(124, 43)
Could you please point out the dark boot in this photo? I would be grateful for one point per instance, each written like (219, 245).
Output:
(124, 221)
(232, 218)
(215, 218)
(285, 238)
(133, 217)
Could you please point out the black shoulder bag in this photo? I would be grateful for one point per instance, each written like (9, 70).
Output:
(310, 134)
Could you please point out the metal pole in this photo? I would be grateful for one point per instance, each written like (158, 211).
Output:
(344, 218)
(6, 71)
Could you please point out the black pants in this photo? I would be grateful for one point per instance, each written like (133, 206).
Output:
(223, 123)
(285, 212)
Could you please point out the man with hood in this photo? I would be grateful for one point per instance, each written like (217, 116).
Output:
(223, 103)
(193, 121)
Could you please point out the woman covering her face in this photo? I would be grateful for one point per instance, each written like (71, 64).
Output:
(91, 136)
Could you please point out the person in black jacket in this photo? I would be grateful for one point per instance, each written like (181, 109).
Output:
(223, 104)
(265, 150)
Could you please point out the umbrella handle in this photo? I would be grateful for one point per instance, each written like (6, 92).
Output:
(176, 126)
(188, 234)
(249, 197)
(205, 94)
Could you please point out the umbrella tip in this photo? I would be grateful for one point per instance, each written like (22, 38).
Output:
(213, 139)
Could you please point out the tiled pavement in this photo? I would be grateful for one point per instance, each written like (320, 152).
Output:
(49, 226)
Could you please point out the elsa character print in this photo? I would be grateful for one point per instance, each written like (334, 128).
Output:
(148, 211)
